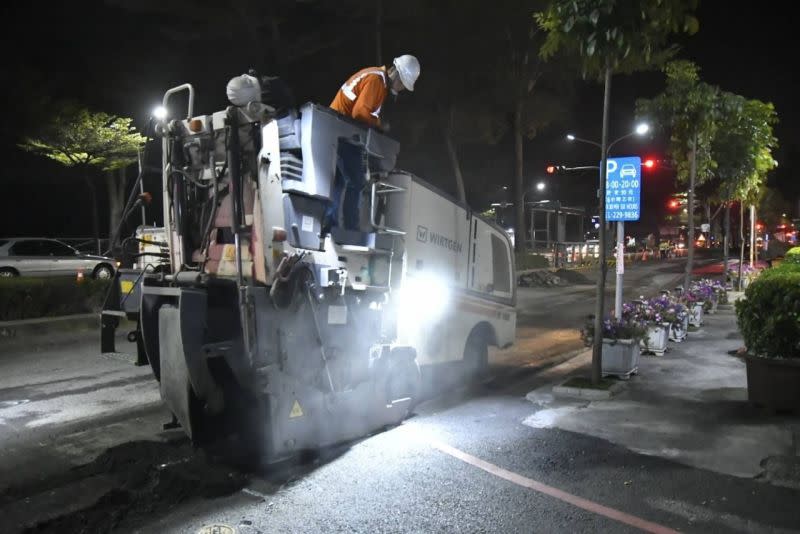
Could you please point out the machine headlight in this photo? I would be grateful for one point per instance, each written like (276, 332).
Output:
(423, 298)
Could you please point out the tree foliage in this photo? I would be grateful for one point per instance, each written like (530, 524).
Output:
(484, 79)
(78, 137)
(686, 112)
(743, 147)
(624, 35)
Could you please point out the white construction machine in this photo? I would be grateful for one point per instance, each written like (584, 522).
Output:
(268, 327)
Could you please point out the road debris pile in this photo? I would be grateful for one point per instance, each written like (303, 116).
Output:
(131, 481)
(539, 278)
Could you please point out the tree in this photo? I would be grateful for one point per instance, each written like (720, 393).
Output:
(742, 149)
(686, 112)
(261, 33)
(522, 73)
(116, 176)
(613, 36)
(476, 86)
(90, 141)
(457, 67)
(772, 206)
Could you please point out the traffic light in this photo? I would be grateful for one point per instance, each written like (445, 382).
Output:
(649, 163)
(674, 204)
(554, 169)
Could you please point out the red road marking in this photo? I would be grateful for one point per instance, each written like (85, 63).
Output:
(574, 500)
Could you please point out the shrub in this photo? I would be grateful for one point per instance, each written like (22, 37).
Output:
(769, 315)
(792, 256)
(28, 298)
(525, 261)
(783, 268)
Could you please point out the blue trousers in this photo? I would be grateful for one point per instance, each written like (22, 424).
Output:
(351, 171)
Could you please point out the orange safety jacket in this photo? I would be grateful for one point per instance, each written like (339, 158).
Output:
(362, 95)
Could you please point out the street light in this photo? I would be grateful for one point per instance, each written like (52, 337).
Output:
(641, 129)
(160, 113)
(540, 186)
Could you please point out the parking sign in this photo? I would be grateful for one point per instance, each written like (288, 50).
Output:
(623, 189)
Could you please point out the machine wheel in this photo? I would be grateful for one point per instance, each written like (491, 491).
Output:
(103, 272)
(404, 379)
(476, 354)
(8, 272)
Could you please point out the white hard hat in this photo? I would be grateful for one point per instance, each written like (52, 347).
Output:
(243, 89)
(408, 68)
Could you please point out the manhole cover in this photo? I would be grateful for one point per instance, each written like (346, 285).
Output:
(217, 529)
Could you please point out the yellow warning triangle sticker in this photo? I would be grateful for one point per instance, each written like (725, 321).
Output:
(297, 411)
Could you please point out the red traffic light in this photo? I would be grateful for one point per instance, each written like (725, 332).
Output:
(649, 163)
(674, 203)
(551, 169)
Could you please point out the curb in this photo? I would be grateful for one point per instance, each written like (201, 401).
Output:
(49, 330)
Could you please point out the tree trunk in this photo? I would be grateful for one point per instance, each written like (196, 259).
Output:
(741, 243)
(95, 214)
(279, 56)
(599, 308)
(519, 191)
(716, 225)
(115, 183)
(687, 277)
(752, 235)
(727, 242)
(452, 152)
(379, 32)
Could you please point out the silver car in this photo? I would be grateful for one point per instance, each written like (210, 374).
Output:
(26, 256)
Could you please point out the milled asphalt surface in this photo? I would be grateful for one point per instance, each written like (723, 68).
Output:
(394, 481)
(397, 482)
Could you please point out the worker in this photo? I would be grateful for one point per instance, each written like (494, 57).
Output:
(361, 98)
(663, 247)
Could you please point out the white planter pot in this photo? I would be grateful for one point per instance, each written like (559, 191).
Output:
(696, 315)
(678, 331)
(620, 358)
(656, 339)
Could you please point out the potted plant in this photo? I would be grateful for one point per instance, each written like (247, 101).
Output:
(709, 291)
(620, 345)
(720, 291)
(769, 319)
(678, 317)
(695, 304)
(658, 314)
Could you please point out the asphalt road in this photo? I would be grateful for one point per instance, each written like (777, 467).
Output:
(82, 449)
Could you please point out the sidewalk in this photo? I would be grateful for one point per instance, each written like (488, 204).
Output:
(688, 406)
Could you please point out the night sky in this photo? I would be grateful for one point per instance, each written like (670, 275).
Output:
(120, 57)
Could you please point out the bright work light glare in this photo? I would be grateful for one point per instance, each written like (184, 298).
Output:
(160, 113)
(642, 128)
(423, 298)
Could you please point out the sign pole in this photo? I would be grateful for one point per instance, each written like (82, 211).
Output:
(620, 268)
(623, 203)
